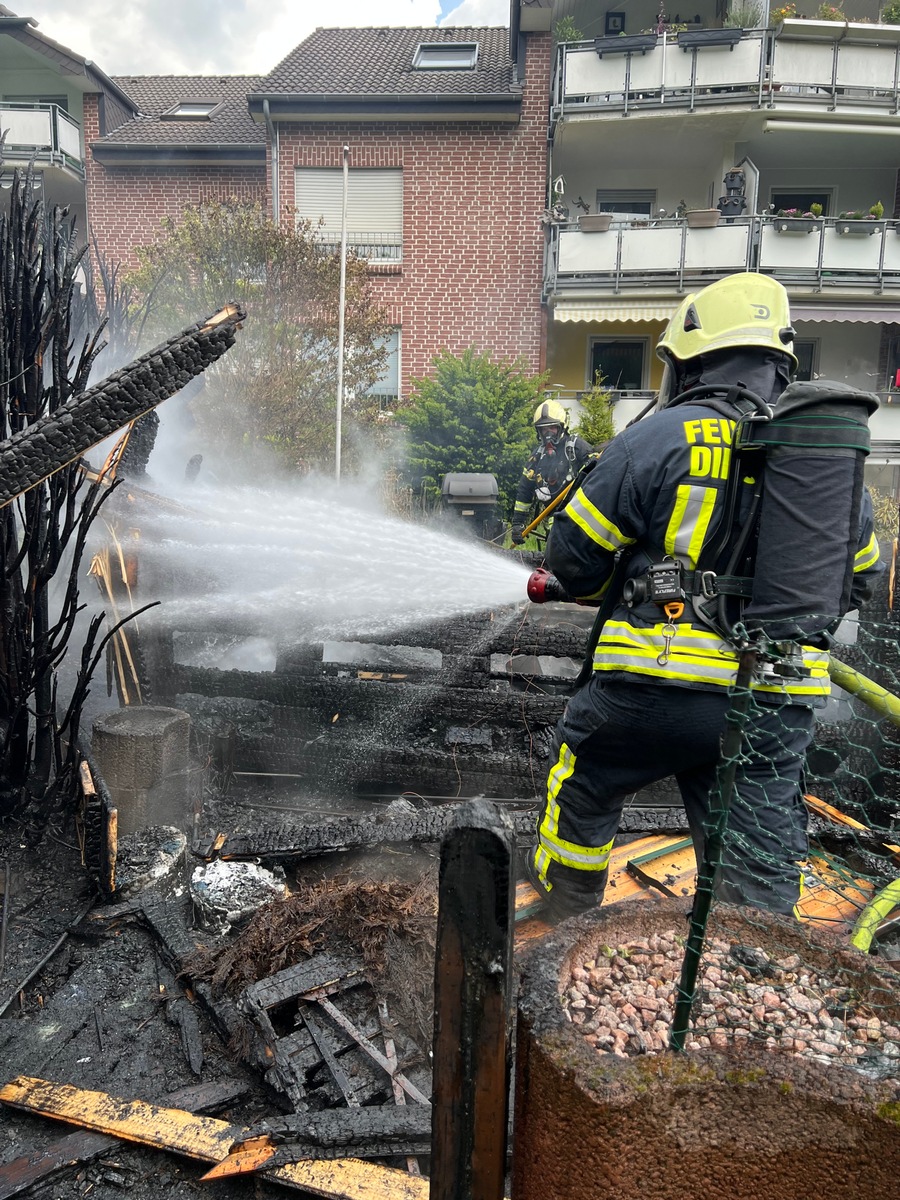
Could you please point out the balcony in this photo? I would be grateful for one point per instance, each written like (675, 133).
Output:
(44, 132)
(666, 256)
(817, 65)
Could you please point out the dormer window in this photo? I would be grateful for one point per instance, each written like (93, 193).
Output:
(445, 56)
(192, 110)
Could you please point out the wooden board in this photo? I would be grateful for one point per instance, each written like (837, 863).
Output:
(204, 1138)
(835, 897)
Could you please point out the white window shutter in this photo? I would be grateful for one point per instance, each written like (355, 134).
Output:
(374, 206)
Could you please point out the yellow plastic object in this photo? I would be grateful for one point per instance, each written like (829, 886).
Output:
(204, 1138)
(880, 906)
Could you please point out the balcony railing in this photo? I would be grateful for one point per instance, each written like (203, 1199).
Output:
(822, 64)
(668, 254)
(42, 131)
(375, 247)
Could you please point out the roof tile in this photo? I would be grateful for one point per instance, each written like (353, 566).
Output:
(378, 62)
(157, 94)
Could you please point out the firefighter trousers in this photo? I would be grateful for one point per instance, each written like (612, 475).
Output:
(615, 738)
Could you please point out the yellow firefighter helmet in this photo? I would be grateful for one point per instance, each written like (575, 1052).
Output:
(745, 309)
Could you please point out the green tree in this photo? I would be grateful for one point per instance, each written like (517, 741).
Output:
(471, 414)
(278, 386)
(595, 424)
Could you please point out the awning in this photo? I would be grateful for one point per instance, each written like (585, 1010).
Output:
(614, 310)
(829, 312)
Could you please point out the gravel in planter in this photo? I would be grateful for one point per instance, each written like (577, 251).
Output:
(623, 1001)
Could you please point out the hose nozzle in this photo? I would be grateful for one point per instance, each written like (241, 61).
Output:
(543, 587)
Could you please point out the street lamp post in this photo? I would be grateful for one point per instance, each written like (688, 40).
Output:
(340, 347)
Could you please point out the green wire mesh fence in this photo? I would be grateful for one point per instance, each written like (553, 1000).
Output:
(819, 980)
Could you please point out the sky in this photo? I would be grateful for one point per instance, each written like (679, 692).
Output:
(239, 37)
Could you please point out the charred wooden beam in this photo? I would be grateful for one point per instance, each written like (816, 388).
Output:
(336, 1133)
(61, 437)
(306, 841)
(203, 1138)
(473, 985)
(75, 1149)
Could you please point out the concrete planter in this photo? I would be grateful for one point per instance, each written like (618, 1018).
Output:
(702, 218)
(595, 222)
(741, 1122)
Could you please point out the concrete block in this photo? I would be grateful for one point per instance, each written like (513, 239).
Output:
(143, 755)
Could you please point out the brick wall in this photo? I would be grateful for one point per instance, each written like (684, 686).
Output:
(472, 242)
(126, 205)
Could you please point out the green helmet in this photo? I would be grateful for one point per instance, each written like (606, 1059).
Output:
(745, 309)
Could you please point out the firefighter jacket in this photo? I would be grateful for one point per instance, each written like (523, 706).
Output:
(547, 472)
(658, 492)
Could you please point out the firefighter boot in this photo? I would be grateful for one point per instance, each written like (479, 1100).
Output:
(565, 892)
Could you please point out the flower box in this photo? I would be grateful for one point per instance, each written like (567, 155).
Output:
(794, 224)
(857, 228)
(688, 38)
(635, 43)
(595, 222)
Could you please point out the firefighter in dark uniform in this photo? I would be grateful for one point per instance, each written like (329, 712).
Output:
(656, 701)
(555, 461)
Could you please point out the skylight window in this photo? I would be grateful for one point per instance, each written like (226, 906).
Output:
(446, 56)
(192, 110)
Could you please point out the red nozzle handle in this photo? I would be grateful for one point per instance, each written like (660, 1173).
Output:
(543, 587)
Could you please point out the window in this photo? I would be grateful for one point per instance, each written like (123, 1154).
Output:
(387, 386)
(802, 200)
(620, 362)
(374, 208)
(192, 110)
(445, 56)
(807, 351)
(641, 202)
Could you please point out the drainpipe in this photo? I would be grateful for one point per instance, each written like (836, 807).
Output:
(273, 138)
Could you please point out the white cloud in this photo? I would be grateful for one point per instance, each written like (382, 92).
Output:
(203, 37)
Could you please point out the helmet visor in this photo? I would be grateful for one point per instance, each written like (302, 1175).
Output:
(549, 432)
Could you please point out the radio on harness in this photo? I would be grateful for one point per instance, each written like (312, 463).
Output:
(662, 583)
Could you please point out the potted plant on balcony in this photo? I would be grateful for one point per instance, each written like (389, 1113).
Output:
(595, 222)
(793, 220)
(702, 218)
(858, 223)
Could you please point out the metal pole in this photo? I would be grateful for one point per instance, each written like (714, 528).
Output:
(719, 806)
(340, 357)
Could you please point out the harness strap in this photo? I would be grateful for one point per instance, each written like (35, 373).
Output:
(709, 584)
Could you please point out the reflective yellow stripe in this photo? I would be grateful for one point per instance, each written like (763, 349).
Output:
(552, 846)
(689, 523)
(867, 557)
(591, 521)
(695, 656)
(522, 506)
(599, 594)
